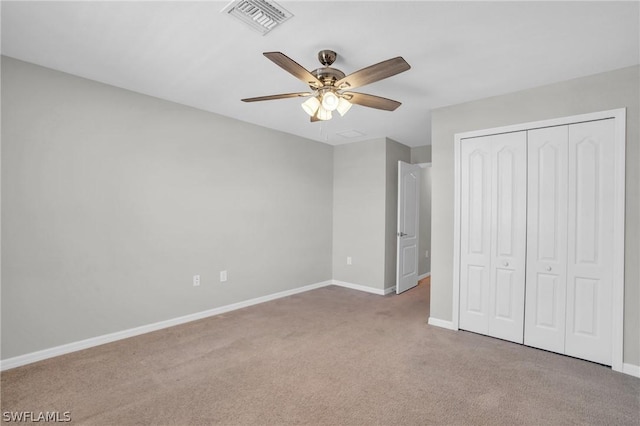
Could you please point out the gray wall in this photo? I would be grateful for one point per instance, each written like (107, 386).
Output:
(421, 154)
(359, 212)
(424, 242)
(365, 192)
(395, 152)
(112, 201)
(610, 90)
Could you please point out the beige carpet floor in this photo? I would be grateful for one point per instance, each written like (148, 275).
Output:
(331, 356)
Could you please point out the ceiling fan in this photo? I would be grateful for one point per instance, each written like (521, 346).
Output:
(331, 87)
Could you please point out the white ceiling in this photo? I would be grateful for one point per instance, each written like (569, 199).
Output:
(190, 53)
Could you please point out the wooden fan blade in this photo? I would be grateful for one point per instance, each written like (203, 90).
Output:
(294, 68)
(371, 101)
(272, 97)
(315, 118)
(373, 73)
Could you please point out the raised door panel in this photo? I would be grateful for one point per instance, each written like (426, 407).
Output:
(508, 236)
(407, 241)
(409, 218)
(546, 273)
(475, 253)
(590, 241)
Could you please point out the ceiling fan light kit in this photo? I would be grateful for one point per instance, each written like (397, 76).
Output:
(323, 114)
(311, 105)
(328, 85)
(329, 101)
(343, 106)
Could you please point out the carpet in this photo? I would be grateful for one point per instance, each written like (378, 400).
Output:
(331, 356)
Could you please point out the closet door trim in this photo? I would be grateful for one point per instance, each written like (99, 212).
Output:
(619, 115)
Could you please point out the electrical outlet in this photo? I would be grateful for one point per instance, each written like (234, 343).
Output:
(349, 260)
(426, 254)
(196, 280)
(223, 276)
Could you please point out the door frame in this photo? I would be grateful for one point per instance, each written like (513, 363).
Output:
(619, 147)
(424, 166)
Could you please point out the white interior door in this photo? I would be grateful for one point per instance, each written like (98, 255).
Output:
(475, 231)
(590, 241)
(546, 238)
(407, 240)
(508, 235)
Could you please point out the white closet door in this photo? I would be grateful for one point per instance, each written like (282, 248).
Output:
(475, 244)
(590, 241)
(508, 235)
(546, 238)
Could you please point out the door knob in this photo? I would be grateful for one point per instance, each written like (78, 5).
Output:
(401, 234)
(506, 263)
(548, 268)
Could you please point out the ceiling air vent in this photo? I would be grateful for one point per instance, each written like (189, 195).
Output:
(261, 15)
(349, 134)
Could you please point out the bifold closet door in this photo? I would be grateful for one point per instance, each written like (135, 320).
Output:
(493, 230)
(508, 236)
(570, 240)
(475, 226)
(546, 238)
(590, 241)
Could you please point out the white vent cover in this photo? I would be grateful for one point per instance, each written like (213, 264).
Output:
(351, 134)
(261, 15)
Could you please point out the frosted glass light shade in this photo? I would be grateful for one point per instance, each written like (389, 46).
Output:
(311, 105)
(323, 114)
(343, 106)
(330, 101)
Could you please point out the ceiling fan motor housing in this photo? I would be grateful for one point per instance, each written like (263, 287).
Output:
(327, 75)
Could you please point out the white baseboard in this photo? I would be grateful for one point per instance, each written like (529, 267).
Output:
(441, 323)
(32, 357)
(630, 369)
(364, 288)
(389, 290)
(423, 276)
